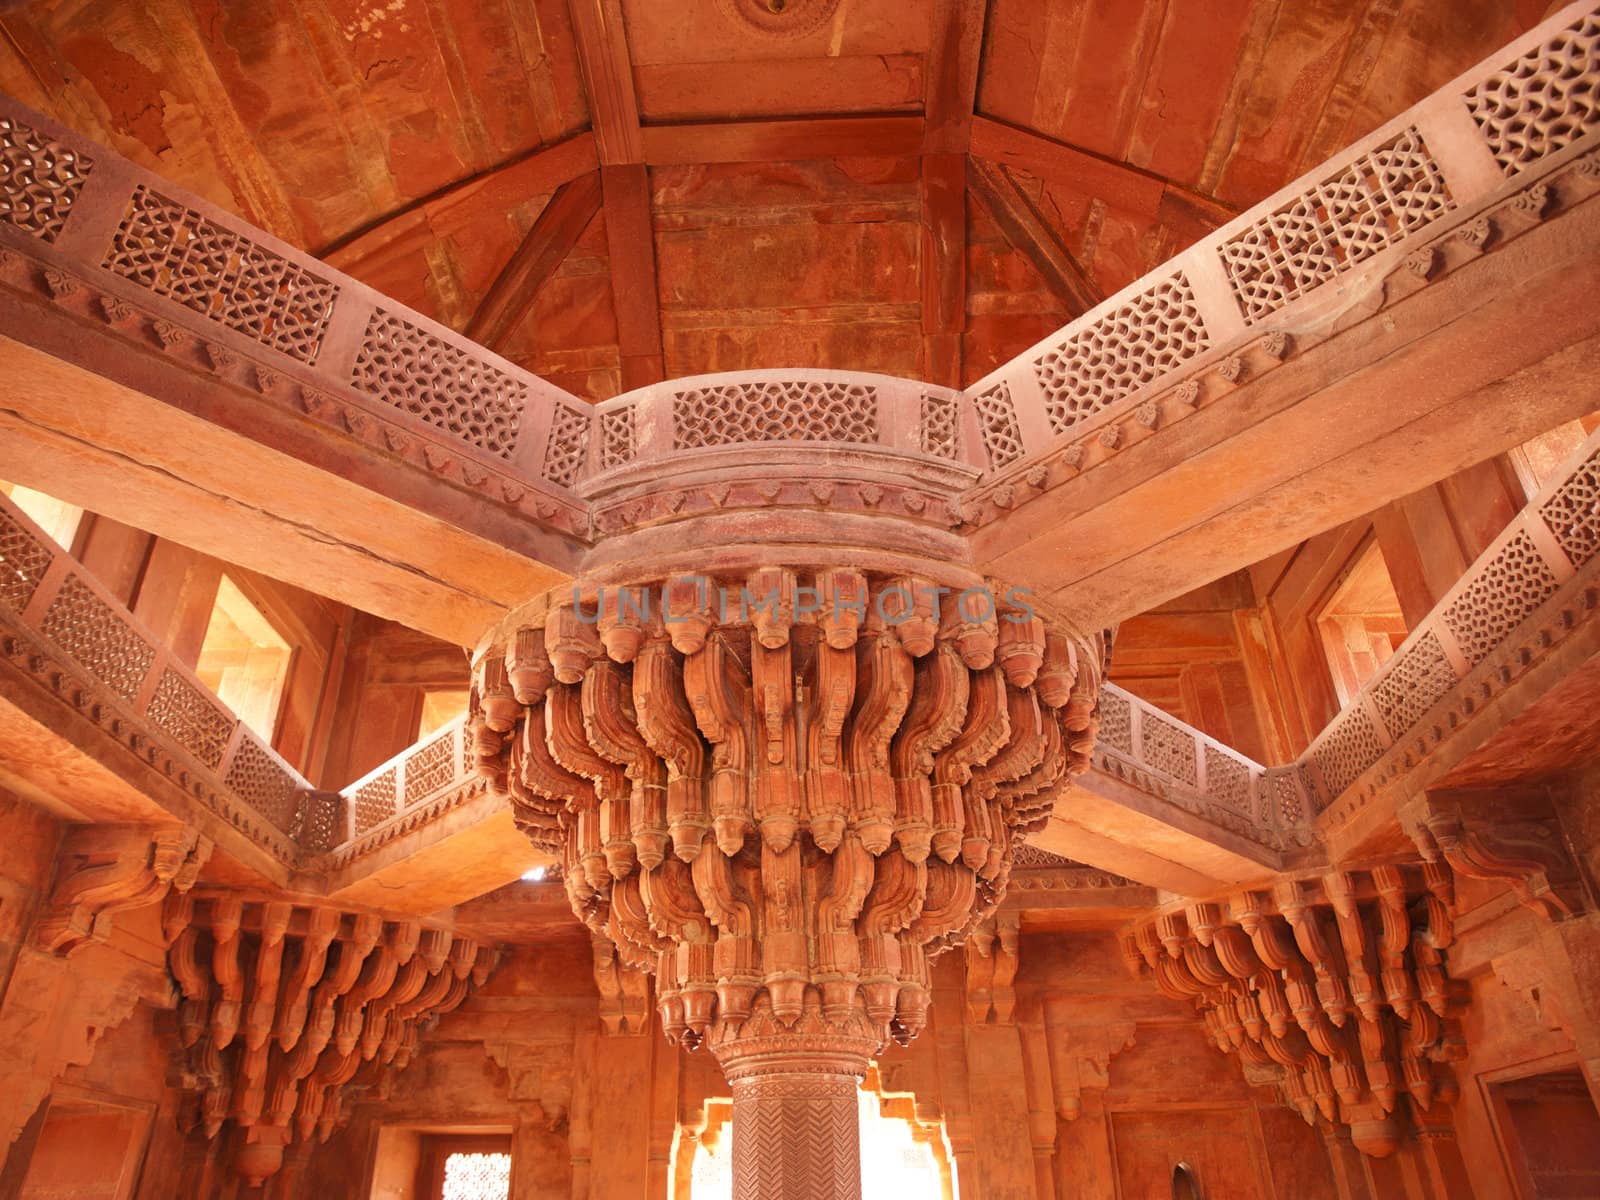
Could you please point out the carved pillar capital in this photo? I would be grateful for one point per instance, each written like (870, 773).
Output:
(104, 869)
(1333, 987)
(283, 1003)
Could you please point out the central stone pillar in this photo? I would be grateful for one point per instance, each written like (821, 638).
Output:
(784, 738)
(796, 1127)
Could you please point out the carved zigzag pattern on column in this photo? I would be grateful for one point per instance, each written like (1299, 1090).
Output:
(796, 1141)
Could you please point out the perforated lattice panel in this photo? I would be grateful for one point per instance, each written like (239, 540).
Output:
(1142, 341)
(1380, 198)
(1545, 100)
(171, 249)
(419, 373)
(90, 630)
(39, 179)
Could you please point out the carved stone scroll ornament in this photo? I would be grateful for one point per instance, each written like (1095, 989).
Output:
(785, 809)
(105, 869)
(283, 1004)
(1333, 988)
(1520, 848)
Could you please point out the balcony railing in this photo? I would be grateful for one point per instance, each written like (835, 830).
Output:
(1299, 255)
(70, 636)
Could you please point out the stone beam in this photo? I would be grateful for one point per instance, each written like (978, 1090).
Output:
(1337, 346)
(1117, 183)
(783, 140)
(556, 231)
(1490, 686)
(457, 207)
(1026, 229)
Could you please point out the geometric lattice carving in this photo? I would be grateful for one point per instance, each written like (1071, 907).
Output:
(1376, 201)
(790, 411)
(322, 826)
(175, 252)
(188, 714)
(1413, 685)
(452, 390)
(39, 179)
(939, 430)
(1545, 100)
(1116, 722)
(261, 782)
(1150, 336)
(568, 445)
(1031, 856)
(1227, 779)
(1350, 748)
(1573, 513)
(374, 801)
(23, 559)
(1287, 798)
(477, 1177)
(1166, 748)
(430, 769)
(617, 438)
(997, 417)
(1515, 583)
(87, 628)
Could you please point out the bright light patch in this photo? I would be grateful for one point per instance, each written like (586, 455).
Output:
(893, 1162)
(534, 875)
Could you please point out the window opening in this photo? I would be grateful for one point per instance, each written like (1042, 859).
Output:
(440, 706)
(57, 518)
(1361, 626)
(243, 659)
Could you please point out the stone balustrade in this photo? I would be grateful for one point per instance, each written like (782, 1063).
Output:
(1532, 589)
(1154, 751)
(1232, 303)
(120, 246)
(64, 632)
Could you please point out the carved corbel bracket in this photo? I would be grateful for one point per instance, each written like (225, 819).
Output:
(531, 1084)
(991, 962)
(1081, 1061)
(1521, 848)
(624, 992)
(105, 869)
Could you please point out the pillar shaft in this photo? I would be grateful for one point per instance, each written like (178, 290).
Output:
(796, 1136)
(796, 1121)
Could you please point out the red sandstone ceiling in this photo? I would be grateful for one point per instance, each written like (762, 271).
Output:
(410, 142)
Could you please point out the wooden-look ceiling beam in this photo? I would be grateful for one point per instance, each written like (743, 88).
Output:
(630, 239)
(608, 77)
(953, 54)
(943, 267)
(625, 184)
(464, 203)
(1026, 229)
(1118, 184)
(955, 45)
(782, 140)
(545, 248)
